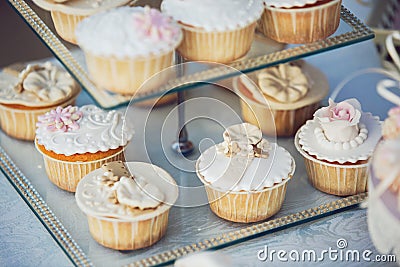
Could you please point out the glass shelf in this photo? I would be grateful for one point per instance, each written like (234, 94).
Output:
(189, 229)
(351, 30)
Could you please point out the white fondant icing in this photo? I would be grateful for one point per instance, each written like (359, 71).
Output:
(289, 3)
(211, 15)
(319, 88)
(138, 193)
(245, 173)
(113, 33)
(309, 142)
(151, 188)
(38, 86)
(285, 82)
(99, 130)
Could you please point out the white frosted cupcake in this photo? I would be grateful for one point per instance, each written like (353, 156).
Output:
(37, 89)
(337, 145)
(66, 14)
(245, 177)
(282, 98)
(126, 46)
(300, 21)
(217, 31)
(127, 210)
(75, 141)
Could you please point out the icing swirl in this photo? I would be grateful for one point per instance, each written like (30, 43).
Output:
(339, 121)
(40, 85)
(391, 126)
(96, 130)
(285, 82)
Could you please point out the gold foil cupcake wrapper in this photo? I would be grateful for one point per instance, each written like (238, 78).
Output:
(128, 235)
(66, 175)
(213, 46)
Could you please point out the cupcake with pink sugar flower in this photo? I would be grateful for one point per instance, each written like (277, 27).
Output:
(125, 46)
(77, 140)
(337, 145)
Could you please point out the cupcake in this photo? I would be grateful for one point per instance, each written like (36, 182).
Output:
(218, 31)
(300, 21)
(125, 46)
(290, 94)
(75, 141)
(37, 89)
(66, 14)
(384, 189)
(245, 176)
(127, 210)
(337, 145)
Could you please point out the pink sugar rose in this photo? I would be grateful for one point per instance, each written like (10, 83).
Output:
(339, 121)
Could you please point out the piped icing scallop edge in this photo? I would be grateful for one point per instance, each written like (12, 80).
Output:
(224, 18)
(98, 130)
(308, 142)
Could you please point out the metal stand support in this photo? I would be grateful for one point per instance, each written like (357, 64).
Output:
(182, 145)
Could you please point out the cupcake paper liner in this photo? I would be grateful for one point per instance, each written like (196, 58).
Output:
(247, 207)
(222, 47)
(21, 123)
(66, 175)
(126, 76)
(287, 122)
(335, 179)
(65, 24)
(128, 235)
(301, 25)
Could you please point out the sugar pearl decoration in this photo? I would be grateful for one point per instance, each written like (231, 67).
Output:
(358, 140)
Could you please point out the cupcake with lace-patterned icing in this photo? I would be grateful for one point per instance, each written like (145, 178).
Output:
(130, 200)
(76, 140)
(37, 89)
(300, 21)
(126, 46)
(337, 145)
(217, 31)
(282, 98)
(245, 177)
(66, 14)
